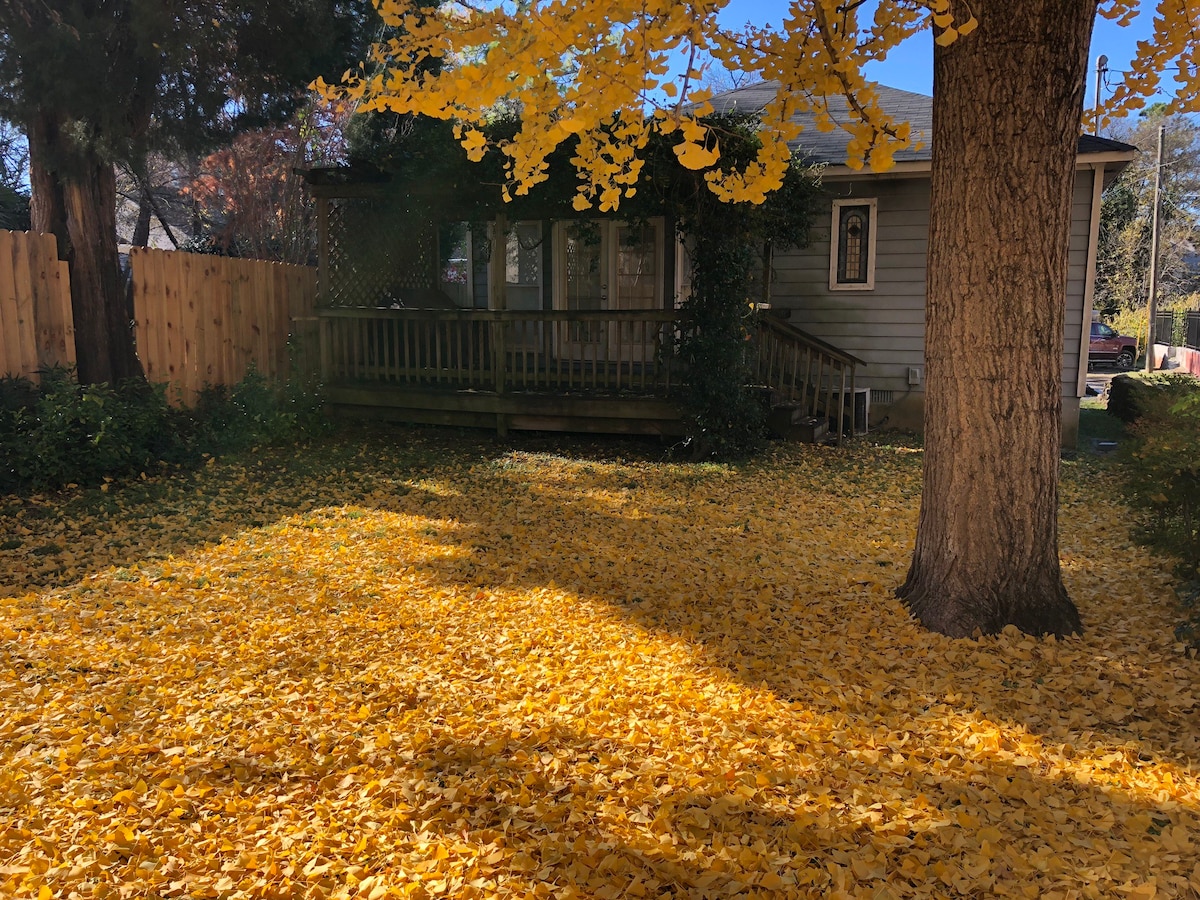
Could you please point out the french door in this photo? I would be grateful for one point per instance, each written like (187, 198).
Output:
(607, 265)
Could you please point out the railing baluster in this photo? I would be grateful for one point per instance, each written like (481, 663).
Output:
(794, 358)
(358, 347)
(829, 392)
(474, 358)
(439, 351)
(598, 353)
(380, 330)
(525, 354)
(842, 406)
(810, 390)
(560, 349)
(407, 330)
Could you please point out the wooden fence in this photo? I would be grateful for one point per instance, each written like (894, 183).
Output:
(204, 320)
(36, 327)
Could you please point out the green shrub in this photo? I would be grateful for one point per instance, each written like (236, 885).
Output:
(59, 432)
(1163, 472)
(253, 411)
(1138, 394)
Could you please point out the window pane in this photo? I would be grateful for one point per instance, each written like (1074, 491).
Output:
(853, 243)
(523, 254)
(454, 262)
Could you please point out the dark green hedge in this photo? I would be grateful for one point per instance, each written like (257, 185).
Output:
(59, 432)
(1162, 464)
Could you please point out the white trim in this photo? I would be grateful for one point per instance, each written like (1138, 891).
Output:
(899, 170)
(911, 168)
(835, 228)
(558, 236)
(1089, 283)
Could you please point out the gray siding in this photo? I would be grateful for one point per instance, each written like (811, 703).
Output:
(886, 326)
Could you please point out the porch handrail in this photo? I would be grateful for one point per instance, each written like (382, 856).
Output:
(501, 315)
(803, 338)
(802, 370)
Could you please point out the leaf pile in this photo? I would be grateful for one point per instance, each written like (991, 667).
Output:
(375, 672)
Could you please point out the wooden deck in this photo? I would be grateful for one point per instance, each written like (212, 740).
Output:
(611, 371)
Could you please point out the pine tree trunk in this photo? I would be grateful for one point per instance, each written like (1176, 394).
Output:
(141, 229)
(1008, 101)
(74, 198)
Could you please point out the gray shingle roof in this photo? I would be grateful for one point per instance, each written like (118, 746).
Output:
(904, 106)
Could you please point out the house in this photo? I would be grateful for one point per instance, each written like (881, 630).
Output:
(563, 323)
(866, 292)
(551, 324)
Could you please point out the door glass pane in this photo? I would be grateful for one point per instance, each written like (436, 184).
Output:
(638, 277)
(585, 266)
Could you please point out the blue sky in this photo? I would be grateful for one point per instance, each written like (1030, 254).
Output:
(910, 66)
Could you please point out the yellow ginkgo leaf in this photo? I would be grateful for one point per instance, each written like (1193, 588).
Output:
(693, 156)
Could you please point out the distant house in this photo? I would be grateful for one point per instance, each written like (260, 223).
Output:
(865, 292)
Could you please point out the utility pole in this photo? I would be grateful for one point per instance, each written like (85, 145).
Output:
(1152, 303)
(1101, 68)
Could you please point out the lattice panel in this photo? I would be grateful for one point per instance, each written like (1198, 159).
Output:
(376, 256)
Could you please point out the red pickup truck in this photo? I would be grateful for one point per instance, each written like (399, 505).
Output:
(1108, 346)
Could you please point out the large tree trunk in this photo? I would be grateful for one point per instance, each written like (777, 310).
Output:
(1008, 101)
(74, 198)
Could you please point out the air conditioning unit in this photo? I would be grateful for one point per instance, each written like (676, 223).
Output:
(858, 409)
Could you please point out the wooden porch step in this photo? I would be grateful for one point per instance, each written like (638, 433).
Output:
(792, 422)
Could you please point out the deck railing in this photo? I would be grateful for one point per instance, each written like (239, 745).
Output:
(628, 353)
(507, 351)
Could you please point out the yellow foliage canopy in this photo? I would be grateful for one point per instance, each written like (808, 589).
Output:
(595, 69)
(539, 676)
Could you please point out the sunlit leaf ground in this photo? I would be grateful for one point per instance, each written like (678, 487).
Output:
(381, 667)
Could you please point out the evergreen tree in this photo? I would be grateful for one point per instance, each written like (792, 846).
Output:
(93, 84)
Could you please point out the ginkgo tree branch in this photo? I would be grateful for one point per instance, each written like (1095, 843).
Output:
(609, 98)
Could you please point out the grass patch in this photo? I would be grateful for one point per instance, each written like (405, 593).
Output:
(1097, 424)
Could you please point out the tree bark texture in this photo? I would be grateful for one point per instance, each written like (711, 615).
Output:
(1008, 101)
(74, 198)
